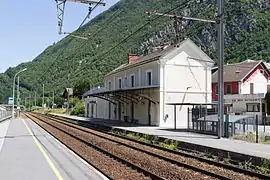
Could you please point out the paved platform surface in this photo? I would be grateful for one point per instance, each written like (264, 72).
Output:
(30, 153)
(4, 118)
(259, 150)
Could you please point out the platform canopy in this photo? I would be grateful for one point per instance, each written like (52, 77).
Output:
(124, 95)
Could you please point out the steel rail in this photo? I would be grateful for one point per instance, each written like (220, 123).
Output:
(132, 165)
(216, 163)
(209, 173)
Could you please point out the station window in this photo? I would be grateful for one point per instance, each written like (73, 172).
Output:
(132, 80)
(228, 89)
(110, 85)
(253, 107)
(149, 78)
(120, 83)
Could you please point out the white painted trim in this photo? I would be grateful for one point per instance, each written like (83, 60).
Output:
(183, 65)
(146, 77)
(109, 81)
(125, 79)
(140, 77)
(239, 87)
(184, 92)
(251, 70)
(114, 84)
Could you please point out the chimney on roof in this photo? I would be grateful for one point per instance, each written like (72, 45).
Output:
(132, 58)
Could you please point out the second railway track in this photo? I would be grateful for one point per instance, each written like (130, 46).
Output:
(151, 162)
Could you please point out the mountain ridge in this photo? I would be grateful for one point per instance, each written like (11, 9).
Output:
(246, 30)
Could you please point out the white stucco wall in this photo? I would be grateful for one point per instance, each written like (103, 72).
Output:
(185, 81)
(140, 76)
(259, 81)
(98, 108)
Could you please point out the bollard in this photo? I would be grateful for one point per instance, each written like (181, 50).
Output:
(257, 130)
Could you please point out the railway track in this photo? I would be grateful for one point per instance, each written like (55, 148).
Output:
(250, 171)
(153, 163)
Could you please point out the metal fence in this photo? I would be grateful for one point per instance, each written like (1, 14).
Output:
(204, 119)
(4, 113)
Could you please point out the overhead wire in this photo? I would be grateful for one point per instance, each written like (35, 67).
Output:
(72, 37)
(89, 13)
(113, 16)
(142, 27)
(99, 58)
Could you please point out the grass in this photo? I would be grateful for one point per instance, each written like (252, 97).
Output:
(47, 111)
(251, 137)
(264, 168)
(148, 138)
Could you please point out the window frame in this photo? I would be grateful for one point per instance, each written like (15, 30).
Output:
(109, 85)
(147, 78)
(229, 85)
(251, 88)
(120, 85)
(134, 82)
(253, 105)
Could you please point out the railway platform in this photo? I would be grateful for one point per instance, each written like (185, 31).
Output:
(236, 146)
(28, 152)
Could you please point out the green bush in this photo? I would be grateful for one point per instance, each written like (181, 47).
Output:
(78, 109)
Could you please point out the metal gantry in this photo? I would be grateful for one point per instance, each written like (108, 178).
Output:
(178, 21)
(61, 9)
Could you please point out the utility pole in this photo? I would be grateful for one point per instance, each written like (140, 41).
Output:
(18, 95)
(220, 46)
(29, 102)
(53, 100)
(25, 103)
(35, 98)
(43, 99)
(178, 22)
(48, 101)
(220, 67)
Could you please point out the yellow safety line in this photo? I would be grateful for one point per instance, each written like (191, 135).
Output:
(56, 172)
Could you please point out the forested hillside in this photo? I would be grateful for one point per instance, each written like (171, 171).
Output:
(247, 37)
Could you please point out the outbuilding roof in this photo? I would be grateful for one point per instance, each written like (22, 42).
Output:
(236, 72)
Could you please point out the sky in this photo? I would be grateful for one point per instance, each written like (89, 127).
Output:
(27, 27)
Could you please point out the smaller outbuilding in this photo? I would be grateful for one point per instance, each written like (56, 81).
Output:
(68, 93)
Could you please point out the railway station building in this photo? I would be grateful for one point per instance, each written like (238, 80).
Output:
(140, 90)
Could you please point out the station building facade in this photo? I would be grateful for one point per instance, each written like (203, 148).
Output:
(141, 90)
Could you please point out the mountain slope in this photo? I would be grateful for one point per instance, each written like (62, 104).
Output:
(247, 36)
